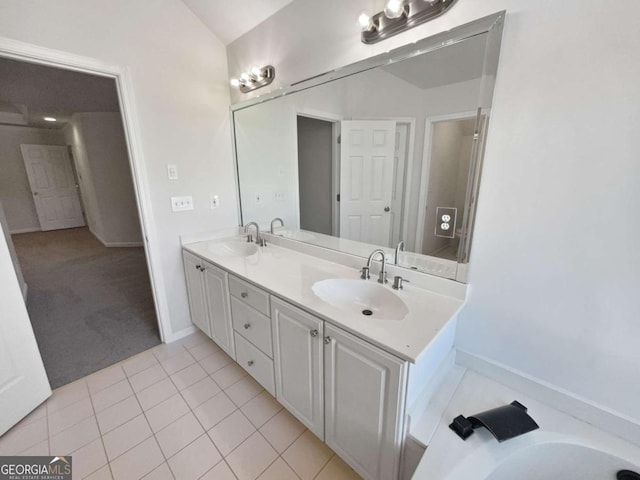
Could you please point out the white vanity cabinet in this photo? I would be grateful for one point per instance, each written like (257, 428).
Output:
(298, 355)
(364, 396)
(208, 289)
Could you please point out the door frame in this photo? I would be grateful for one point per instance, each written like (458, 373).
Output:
(26, 52)
(335, 120)
(426, 165)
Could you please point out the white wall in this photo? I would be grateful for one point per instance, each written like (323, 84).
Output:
(555, 262)
(180, 88)
(102, 160)
(15, 192)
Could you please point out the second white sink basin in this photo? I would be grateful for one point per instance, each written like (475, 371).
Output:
(234, 248)
(361, 297)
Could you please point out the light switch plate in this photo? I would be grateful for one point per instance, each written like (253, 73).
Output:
(172, 172)
(215, 201)
(180, 204)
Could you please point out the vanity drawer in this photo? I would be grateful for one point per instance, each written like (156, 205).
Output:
(256, 363)
(249, 294)
(252, 325)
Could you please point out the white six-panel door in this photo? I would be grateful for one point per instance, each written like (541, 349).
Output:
(53, 186)
(298, 352)
(366, 179)
(23, 381)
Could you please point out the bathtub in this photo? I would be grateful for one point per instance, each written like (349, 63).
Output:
(541, 455)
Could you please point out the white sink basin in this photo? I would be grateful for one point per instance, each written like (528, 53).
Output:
(361, 297)
(234, 248)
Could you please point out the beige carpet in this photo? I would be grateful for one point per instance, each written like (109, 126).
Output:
(90, 306)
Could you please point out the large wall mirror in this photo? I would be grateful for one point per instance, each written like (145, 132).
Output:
(384, 151)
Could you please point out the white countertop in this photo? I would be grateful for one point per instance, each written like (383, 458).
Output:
(290, 275)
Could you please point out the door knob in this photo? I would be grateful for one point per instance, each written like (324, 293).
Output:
(327, 340)
(250, 363)
(387, 209)
(313, 333)
(247, 326)
(36, 193)
(244, 294)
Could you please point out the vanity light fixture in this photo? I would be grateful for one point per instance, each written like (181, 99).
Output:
(398, 16)
(256, 78)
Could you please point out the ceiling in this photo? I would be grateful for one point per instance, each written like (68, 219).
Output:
(49, 91)
(230, 20)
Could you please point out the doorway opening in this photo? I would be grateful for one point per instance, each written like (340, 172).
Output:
(72, 215)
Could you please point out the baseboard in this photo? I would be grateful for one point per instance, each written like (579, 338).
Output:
(115, 244)
(25, 291)
(175, 336)
(579, 407)
(18, 231)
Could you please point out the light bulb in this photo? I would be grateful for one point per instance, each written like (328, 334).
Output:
(365, 22)
(256, 72)
(244, 78)
(394, 9)
(50, 119)
(235, 82)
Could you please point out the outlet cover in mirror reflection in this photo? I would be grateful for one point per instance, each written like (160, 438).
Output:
(446, 222)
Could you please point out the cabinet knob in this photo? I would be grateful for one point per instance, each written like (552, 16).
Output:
(250, 363)
(247, 326)
(313, 333)
(327, 340)
(244, 294)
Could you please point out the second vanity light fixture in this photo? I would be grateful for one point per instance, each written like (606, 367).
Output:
(256, 78)
(398, 16)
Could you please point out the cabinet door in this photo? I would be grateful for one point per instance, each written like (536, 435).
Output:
(195, 291)
(216, 282)
(297, 345)
(364, 404)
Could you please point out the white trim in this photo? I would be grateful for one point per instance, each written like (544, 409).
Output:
(579, 407)
(35, 54)
(25, 230)
(426, 165)
(185, 332)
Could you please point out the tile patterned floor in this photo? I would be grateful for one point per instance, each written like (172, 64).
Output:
(184, 410)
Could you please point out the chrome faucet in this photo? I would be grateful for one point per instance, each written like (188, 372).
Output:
(249, 237)
(399, 248)
(277, 219)
(382, 277)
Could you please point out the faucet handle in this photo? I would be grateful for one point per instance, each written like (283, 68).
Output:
(398, 282)
(249, 238)
(382, 277)
(364, 273)
(263, 242)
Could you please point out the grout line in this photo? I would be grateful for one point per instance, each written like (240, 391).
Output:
(104, 448)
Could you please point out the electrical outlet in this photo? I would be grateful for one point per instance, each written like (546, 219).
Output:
(180, 204)
(172, 172)
(258, 198)
(215, 201)
(279, 196)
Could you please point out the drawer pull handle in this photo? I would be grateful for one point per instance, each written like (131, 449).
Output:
(250, 363)
(327, 340)
(313, 333)
(244, 294)
(247, 326)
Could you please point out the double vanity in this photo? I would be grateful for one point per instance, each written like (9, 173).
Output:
(337, 351)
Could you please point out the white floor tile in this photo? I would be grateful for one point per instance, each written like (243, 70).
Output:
(105, 378)
(156, 393)
(200, 392)
(139, 363)
(177, 362)
(126, 436)
(147, 377)
(65, 396)
(74, 437)
(195, 460)
(118, 414)
(214, 410)
(279, 470)
(111, 395)
(103, 473)
(163, 472)
(166, 412)
(261, 409)
(69, 416)
(251, 458)
(21, 437)
(228, 375)
(231, 432)
(220, 472)
(282, 430)
(243, 390)
(179, 434)
(188, 376)
(203, 350)
(38, 450)
(137, 462)
(336, 469)
(307, 456)
(88, 459)
(215, 362)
